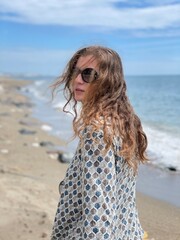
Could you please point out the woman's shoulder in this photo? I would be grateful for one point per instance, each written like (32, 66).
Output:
(97, 126)
(91, 131)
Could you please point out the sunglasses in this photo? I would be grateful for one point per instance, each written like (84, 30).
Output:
(88, 74)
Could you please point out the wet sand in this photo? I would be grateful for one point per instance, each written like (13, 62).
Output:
(30, 176)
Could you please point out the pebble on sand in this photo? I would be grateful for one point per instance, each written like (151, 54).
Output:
(35, 144)
(26, 131)
(65, 157)
(46, 127)
(4, 151)
(1, 89)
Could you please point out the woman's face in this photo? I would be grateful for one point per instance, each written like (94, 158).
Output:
(80, 87)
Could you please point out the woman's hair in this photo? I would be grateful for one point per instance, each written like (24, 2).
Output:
(106, 100)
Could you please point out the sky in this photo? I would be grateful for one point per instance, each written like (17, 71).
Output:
(40, 36)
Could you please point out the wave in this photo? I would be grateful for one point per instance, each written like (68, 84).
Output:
(163, 145)
(163, 148)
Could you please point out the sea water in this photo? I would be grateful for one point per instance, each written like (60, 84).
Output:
(155, 99)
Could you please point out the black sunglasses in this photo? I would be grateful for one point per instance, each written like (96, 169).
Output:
(88, 74)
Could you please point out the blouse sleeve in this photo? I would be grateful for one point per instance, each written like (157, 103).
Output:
(98, 188)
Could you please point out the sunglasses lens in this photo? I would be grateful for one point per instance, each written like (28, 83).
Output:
(89, 75)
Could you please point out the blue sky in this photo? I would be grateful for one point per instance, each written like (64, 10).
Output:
(39, 36)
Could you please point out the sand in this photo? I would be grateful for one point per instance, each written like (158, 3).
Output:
(30, 176)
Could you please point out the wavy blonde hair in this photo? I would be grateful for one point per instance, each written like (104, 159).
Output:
(106, 99)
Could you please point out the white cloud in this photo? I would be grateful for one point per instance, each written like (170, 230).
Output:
(101, 13)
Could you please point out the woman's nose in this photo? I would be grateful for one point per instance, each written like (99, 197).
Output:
(79, 79)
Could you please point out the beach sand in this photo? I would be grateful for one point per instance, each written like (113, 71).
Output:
(30, 177)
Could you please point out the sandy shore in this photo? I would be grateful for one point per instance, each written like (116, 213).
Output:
(30, 176)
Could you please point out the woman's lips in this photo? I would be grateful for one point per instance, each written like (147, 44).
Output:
(79, 90)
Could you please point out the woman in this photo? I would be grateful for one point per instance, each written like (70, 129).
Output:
(97, 195)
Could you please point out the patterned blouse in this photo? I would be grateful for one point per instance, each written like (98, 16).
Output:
(97, 195)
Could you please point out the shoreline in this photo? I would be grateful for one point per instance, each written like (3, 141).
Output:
(30, 176)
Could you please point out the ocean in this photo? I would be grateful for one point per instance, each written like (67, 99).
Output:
(156, 100)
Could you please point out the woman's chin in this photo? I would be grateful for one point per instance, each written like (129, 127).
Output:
(79, 98)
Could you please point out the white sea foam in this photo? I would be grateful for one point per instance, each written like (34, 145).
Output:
(59, 105)
(1, 89)
(163, 148)
(38, 90)
(39, 83)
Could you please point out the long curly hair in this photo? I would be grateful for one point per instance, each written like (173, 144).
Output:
(106, 104)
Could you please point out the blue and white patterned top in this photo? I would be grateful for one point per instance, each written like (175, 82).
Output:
(97, 195)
